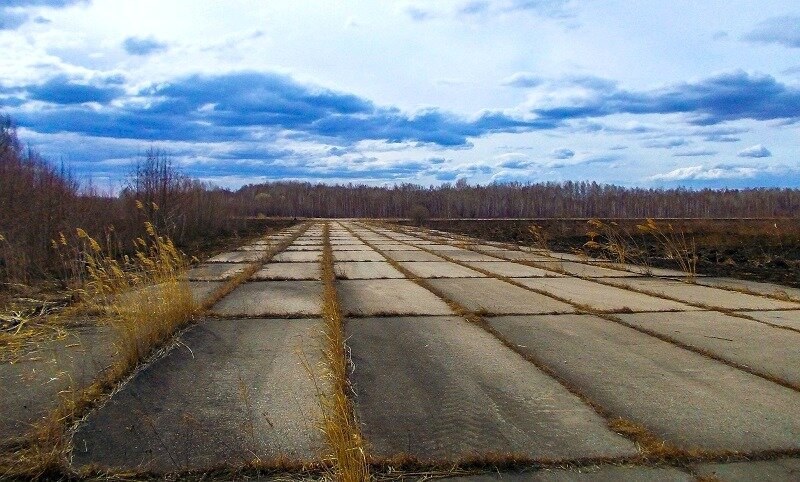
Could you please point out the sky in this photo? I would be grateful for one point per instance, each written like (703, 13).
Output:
(644, 93)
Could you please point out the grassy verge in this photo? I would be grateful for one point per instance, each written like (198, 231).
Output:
(347, 455)
(145, 300)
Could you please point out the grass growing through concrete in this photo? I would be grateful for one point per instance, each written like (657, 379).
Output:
(609, 316)
(347, 457)
(675, 244)
(252, 269)
(652, 447)
(146, 299)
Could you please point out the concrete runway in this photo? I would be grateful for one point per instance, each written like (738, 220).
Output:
(463, 349)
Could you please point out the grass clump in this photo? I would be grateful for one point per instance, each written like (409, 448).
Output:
(144, 298)
(541, 239)
(675, 244)
(347, 457)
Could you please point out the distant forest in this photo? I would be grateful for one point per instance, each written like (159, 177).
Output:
(542, 200)
(40, 201)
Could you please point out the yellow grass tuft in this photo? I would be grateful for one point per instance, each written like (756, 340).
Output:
(145, 299)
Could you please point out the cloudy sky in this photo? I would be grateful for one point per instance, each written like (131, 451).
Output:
(645, 93)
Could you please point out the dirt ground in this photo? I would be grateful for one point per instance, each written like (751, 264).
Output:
(753, 249)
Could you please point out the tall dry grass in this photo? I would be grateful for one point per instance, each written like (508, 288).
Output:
(675, 243)
(144, 298)
(347, 456)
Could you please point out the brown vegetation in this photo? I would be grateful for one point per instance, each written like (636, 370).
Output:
(756, 249)
(145, 299)
(347, 456)
(40, 203)
(545, 200)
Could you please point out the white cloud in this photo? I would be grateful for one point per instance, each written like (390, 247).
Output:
(523, 80)
(453, 58)
(562, 153)
(757, 151)
(783, 30)
(707, 173)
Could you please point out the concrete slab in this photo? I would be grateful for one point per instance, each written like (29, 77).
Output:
(735, 339)
(420, 256)
(513, 270)
(440, 269)
(468, 256)
(443, 388)
(714, 297)
(308, 242)
(790, 319)
(203, 289)
(272, 298)
(651, 271)
(297, 257)
(588, 270)
(497, 297)
(687, 399)
(524, 256)
(580, 258)
(303, 247)
(444, 247)
(602, 297)
(366, 270)
(769, 289)
(230, 392)
(607, 473)
(351, 247)
(289, 271)
(237, 257)
(396, 247)
(255, 247)
(341, 256)
(216, 271)
(787, 469)
(488, 248)
(30, 387)
(392, 297)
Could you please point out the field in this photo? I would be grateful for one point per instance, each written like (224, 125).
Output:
(359, 349)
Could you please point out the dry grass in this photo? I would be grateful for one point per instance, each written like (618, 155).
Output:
(347, 456)
(146, 299)
(540, 237)
(675, 244)
(611, 238)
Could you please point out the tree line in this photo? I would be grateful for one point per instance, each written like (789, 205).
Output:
(43, 205)
(41, 202)
(515, 200)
